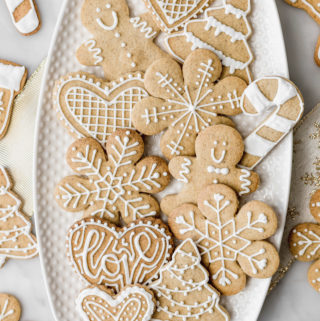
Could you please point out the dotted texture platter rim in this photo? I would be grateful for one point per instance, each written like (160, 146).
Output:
(52, 141)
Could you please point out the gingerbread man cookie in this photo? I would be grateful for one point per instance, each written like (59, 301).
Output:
(117, 185)
(12, 80)
(182, 290)
(304, 242)
(231, 245)
(224, 30)
(133, 303)
(219, 149)
(172, 14)
(186, 101)
(120, 44)
(25, 16)
(10, 309)
(90, 107)
(16, 239)
(103, 254)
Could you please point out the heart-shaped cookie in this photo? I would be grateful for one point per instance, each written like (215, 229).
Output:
(102, 253)
(134, 303)
(172, 14)
(89, 107)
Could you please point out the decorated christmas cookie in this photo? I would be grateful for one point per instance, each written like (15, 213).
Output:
(304, 242)
(186, 101)
(315, 205)
(104, 254)
(219, 149)
(171, 14)
(24, 15)
(117, 185)
(10, 309)
(90, 107)
(12, 80)
(120, 44)
(224, 30)
(286, 102)
(16, 239)
(231, 245)
(182, 290)
(133, 303)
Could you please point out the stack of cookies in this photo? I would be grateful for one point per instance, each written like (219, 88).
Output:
(138, 264)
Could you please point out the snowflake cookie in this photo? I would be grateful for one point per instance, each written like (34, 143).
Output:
(10, 309)
(120, 44)
(304, 242)
(103, 254)
(219, 149)
(172, 14)
(224, 30)
(133, 303)
(12, 80)
(107, 187)
(186, 101)
(90, 107)
(16, 239)
(182, 290)
(231, 245)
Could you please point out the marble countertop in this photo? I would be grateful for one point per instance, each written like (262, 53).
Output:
(293, 299)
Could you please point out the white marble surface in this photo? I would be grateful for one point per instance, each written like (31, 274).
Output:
(293, 299)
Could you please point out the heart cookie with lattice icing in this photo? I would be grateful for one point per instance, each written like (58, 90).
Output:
(104, 254)
(133, 303)
(90, 107)
(172, 14)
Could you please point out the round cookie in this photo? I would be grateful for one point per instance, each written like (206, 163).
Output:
(314, 275)
(314, 205)
(10, 309)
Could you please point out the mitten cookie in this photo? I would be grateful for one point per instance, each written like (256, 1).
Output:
(133, 303)
(182, 290)
(172, 14)
(120, 44)
(231, 245)
(304, 242)
(261, 96)
(10, 309)
(224, 30)
(104, 254)
(90, 107)
(12, 80)
(117, 185)
(219, 149)
(16, 239)
(25, 16)
(186, 101)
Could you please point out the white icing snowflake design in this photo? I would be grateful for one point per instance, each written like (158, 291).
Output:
(227, 243)
(115, 185)
(188, 103)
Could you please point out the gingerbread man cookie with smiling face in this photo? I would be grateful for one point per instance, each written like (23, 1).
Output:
(120, 44)
(219, 149)
(186, 101)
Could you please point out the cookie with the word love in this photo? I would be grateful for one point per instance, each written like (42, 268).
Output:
(304, 242)
(24, 15)
(104, 254)
(266, 94)
(172, 14)
(133, 303)
(90, 107)
(231, 242)
(219, 149)
(119, 44)
(12, 80)
(112, 184)
(186, 100)
(10, 309)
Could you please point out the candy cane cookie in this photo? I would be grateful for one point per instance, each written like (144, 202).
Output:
(12, 80)
(25, 16)
(261, 96)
